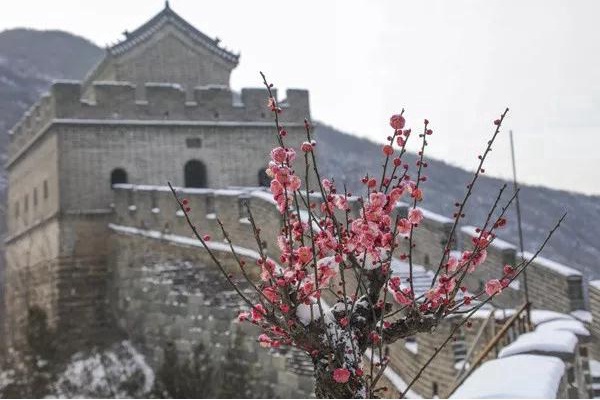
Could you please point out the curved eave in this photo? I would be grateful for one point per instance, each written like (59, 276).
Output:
(168, 16)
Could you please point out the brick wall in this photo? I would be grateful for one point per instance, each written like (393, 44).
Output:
(594, 298)
(162, 293)
(554, 286)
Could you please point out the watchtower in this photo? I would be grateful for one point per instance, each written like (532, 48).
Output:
(157, 108)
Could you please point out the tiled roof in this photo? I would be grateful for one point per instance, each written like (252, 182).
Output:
(168, 16)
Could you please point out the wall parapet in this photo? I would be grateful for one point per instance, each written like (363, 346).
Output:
(119, 101)
(554, 283)
(552, 286)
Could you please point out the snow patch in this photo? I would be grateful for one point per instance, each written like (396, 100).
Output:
(541, 316)
(544, 341)
(436, 217)
(261, 194)
(119, 371)
(522, 376)
(553, 265)
(595, 368)
(583, 316)
(183, 240)
(572, 326)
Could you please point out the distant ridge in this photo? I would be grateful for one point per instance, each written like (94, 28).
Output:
(576, 243)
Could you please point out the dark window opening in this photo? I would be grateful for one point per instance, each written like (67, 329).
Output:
(263, 178)
(426, 261)
(194, 143)
(195, 174)
(26, 205)
(118, 176)
(35, 198)
(435, 389)
(45, 189)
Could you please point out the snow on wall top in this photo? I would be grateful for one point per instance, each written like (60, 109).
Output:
(553, 265)
(595, 284)
(186, 241)
(531, 376)
(572, 326)
(544, 341)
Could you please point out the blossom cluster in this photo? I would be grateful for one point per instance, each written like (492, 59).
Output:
(324, 244)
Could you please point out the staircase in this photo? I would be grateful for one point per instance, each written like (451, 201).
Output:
(516, 325)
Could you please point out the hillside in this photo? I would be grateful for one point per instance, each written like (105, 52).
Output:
(575, 244)
(30, 59)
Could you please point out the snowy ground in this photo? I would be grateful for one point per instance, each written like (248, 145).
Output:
(117, 372)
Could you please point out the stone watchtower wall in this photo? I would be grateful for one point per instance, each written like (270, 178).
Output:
(594, 298)
(62, 157)
(116, 103)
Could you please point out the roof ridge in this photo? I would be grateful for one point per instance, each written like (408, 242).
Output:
(166, 15)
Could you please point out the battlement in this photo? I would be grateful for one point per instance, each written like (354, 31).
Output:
(120, 102)
(551, 285)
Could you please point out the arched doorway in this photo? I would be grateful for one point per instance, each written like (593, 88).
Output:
(195, 174)
(263, 178)
(118, 175)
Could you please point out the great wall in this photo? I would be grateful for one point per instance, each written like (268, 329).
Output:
(96, 242)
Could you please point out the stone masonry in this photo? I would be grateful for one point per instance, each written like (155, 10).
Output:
(96, 241)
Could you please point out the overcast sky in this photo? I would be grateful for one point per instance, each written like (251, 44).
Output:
(458, 63)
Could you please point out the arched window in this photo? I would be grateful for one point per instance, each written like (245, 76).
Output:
(195, 174)
(263, 178)
(118, 175)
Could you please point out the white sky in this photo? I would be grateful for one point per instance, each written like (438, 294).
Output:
(458, 63)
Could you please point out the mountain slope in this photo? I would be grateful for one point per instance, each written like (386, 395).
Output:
(29, 61)
(575, 244)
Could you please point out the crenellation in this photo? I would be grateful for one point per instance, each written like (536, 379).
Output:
(297, 104)
(255, 101)
(36, 118)
(166, 101)
(66, 97)
(556, 286)
(118, 98)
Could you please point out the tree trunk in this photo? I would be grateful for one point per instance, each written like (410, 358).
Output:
(327, 388)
